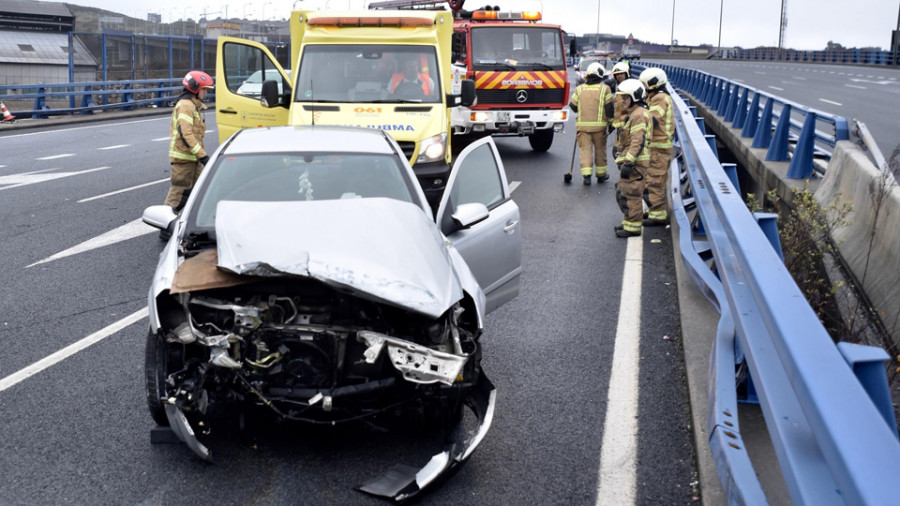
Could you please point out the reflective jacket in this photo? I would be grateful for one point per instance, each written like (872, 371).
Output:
(663, 120)
(594, 103)
(632, 137)
(188, 129)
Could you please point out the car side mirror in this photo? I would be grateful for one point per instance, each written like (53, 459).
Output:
(159, 216)
(270, 94)
(466, 215)
(468, 93)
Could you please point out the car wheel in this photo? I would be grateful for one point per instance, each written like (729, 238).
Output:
(541, 140)
(155, 375)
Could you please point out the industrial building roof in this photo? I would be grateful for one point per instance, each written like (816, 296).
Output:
(31, 7)
(47, 48)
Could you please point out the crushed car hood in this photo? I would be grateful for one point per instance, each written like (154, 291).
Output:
(381, 249)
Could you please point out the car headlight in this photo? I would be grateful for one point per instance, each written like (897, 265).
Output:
(432, 148)
(479, 116)
(559, 115)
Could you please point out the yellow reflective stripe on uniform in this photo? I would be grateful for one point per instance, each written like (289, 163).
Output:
(195, 149)
(632, 226)
(639, 127)
(658, 215)
(661, 145)
(182, 156)
(594, 122)
(186, 118)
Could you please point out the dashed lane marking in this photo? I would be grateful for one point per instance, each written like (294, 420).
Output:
(151, 183)
(832, 102)
(776, 88)
(161, 139)
(127, 231)
(800, 78)
(617, 483)
(513, 185)
(51, 360)
(117, 146)
(855, 86)
(55, 157)
(760, 73)
(42, 132)
(40, 176)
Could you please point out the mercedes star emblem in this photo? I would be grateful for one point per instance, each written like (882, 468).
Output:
(521, 96)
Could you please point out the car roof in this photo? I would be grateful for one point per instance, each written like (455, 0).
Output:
(283, 139)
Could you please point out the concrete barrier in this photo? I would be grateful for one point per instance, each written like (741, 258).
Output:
(871, 245)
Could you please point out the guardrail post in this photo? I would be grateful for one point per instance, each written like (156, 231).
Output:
(701, 124)
(763, 136)
(841, 130)
(87, 100)
(752, 121)
(127, 97)
(867, 363)
(731, 109)
(707, 91)
(778, 150)
(711, 140)
(740, 114)
(768, 223)
(723, 100)
(693, 110)
(801, 166)
(731, 171)
(40, 104)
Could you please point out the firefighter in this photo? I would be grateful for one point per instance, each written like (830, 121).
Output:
(593, 101)
(633, 156)
(621, 71)
(661, 133)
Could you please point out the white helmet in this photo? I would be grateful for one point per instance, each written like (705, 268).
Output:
(620, 68)
(654, 78)
(595, 69)
(633, 88)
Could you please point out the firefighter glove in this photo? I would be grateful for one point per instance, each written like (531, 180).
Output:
(203, 161)
(625, 170)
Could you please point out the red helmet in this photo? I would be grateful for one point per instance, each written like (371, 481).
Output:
(195, 80)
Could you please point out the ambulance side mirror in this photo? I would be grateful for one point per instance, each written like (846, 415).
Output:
(269, 96)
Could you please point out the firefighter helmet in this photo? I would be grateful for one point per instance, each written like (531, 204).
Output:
(595, 69)
(195, 80)
(621, 68)
(654, 78)
(633, 88)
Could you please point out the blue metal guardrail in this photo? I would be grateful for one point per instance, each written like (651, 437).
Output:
(862, 56)
(159, 92)
(732, 101)
(827, 408)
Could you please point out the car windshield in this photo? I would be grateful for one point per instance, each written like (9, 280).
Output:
(520, 46)
(586, 63)
(279, 177)
(368, 73)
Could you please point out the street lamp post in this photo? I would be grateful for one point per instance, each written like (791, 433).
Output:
(673, 26)
(597, 42)
(721, 7)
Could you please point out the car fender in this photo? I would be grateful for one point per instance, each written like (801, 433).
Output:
(467, 281)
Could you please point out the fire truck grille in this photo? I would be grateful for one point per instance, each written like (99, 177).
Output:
(555, 96)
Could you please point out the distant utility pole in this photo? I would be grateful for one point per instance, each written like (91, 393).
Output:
(598, 22)
(673, 25)
(721, 8)
(783, 24)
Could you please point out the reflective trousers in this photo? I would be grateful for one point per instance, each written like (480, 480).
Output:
(592, 152)
(633, 189)
(184, 176)
(657, 173)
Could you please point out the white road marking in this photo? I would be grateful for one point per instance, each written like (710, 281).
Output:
(40, 176)
(871, 82)
(776, 88)
(42, 132)
(127, 231)
(617, 482)
(830, 101)
(117, 146)
(162, 139)
(513, 185)
(760, 73)
(50, 360)
(54, 157)
(151, 183)
(800, 78)
(855, 86)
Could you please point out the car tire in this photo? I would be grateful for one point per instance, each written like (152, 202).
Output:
(155, 375)
(541, 140)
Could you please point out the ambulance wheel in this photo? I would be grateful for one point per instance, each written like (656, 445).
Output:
(541, 140)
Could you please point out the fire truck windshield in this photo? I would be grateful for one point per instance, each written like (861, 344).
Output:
(517, 47)
(368, 73)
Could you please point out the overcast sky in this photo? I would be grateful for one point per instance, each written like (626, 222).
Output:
(747, 23)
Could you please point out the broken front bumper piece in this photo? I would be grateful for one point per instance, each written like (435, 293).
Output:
(418, 364)
(402, 482)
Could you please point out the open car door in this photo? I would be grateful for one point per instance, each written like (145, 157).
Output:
(478, 215)
(241, 67)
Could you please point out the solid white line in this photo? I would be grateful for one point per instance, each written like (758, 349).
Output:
(127, 231)
(151, 183)
(776, 88)
(83, 128)
(855, 86)
(23, 374)
(618, 457)
(513, 185)
(832, 102)
(54, 157)
(114, 147)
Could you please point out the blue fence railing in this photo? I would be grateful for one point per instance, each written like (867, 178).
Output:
(810, 132)
(859, 56)
(827, 408)
(88, 97)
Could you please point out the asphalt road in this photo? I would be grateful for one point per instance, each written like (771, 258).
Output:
(78, 431)
(868, 94)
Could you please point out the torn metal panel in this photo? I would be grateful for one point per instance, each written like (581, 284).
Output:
(418, 364)
(200, 272)
(382, 248)
(182, 428)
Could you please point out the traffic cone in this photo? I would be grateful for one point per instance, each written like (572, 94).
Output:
(6, 115)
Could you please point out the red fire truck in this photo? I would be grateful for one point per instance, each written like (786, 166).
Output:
(519, 68)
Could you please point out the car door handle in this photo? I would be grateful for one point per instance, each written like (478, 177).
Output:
(226, 111)
(511, 226)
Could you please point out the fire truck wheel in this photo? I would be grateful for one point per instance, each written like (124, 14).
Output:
(541, 140)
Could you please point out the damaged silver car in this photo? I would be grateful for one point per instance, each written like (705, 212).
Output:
(307, 276)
